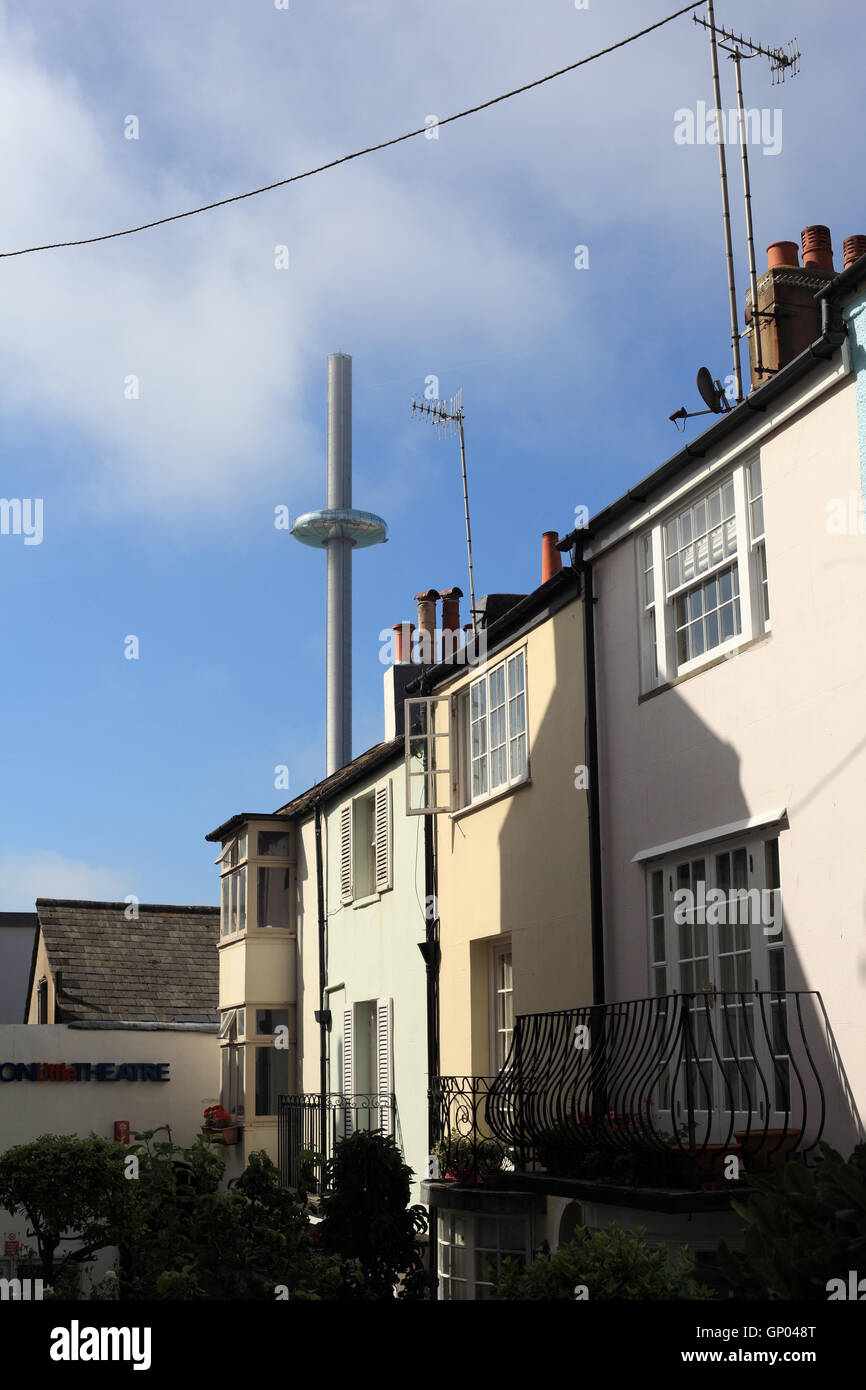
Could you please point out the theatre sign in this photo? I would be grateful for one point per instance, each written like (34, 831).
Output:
(84, 1071)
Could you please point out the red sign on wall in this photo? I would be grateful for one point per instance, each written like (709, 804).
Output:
(10, 1247)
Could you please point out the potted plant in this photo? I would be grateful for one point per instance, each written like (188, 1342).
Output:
(216, 1121)
(470, 1157)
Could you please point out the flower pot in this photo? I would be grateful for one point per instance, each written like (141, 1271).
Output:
(231, 1134)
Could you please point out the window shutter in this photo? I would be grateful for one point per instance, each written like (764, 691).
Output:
(348, 1070)
(384, 1063)
(383, 837)
(346, 853)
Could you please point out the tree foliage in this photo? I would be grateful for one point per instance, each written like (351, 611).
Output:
(73, 1193)
(609, 1264)
(366, 1217)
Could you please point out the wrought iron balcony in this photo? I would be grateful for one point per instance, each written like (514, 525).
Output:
(656, 1092)
(300, 1126)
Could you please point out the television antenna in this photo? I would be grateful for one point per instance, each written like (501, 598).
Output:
(782, 61)
(447, 416)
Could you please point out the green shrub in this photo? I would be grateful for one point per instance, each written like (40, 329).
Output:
(803, 1230)
(611, 1264)
(366, 1218)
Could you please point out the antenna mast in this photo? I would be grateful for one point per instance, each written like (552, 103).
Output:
(726, 207)
(447, 416)
(780, 62)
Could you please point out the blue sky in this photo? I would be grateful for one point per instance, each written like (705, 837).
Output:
(451, 257)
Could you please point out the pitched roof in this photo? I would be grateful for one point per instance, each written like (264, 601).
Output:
(162, 966)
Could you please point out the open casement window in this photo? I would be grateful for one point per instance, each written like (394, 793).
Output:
(430, 763)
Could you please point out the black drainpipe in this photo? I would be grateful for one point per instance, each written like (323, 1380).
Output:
(432, 956)
(324, 1015)
(584, 566)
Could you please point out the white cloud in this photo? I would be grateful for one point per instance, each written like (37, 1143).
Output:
(458, 248)
(31, 874)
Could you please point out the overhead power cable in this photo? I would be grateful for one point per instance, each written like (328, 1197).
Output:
(370, 149)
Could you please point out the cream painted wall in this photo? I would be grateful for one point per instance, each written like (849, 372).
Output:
(42, 968)
(232, 974)
(308, 956)
(782, 723)
(519, 865)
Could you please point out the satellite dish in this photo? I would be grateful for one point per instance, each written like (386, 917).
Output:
(711, 392)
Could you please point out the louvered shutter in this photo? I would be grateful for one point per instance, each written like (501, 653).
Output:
(383, 837)
(348, 1070)
(384, 1064)
(346, 853)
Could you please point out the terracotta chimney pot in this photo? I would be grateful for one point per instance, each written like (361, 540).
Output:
(781, 253)
(551, 560)
(403, 643)
(426, 636)
(450, 621)
(853, 248)
(817, 247)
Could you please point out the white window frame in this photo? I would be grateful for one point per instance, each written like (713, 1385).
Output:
(762, 945)
(498, 949)
(430, 745)
(657, 605)
(514, 777)
(470, 1281)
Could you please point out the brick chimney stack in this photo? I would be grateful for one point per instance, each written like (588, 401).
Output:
(789, 319)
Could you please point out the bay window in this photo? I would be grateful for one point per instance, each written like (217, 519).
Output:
(256, 880)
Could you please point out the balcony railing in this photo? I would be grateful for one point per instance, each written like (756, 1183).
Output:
(300, 1130)
(659, 1091)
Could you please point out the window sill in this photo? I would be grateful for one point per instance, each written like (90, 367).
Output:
(490, 800)
(707, 665)
(251, 933)
(366, 902)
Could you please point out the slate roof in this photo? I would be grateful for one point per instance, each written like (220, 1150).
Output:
(162, 967)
